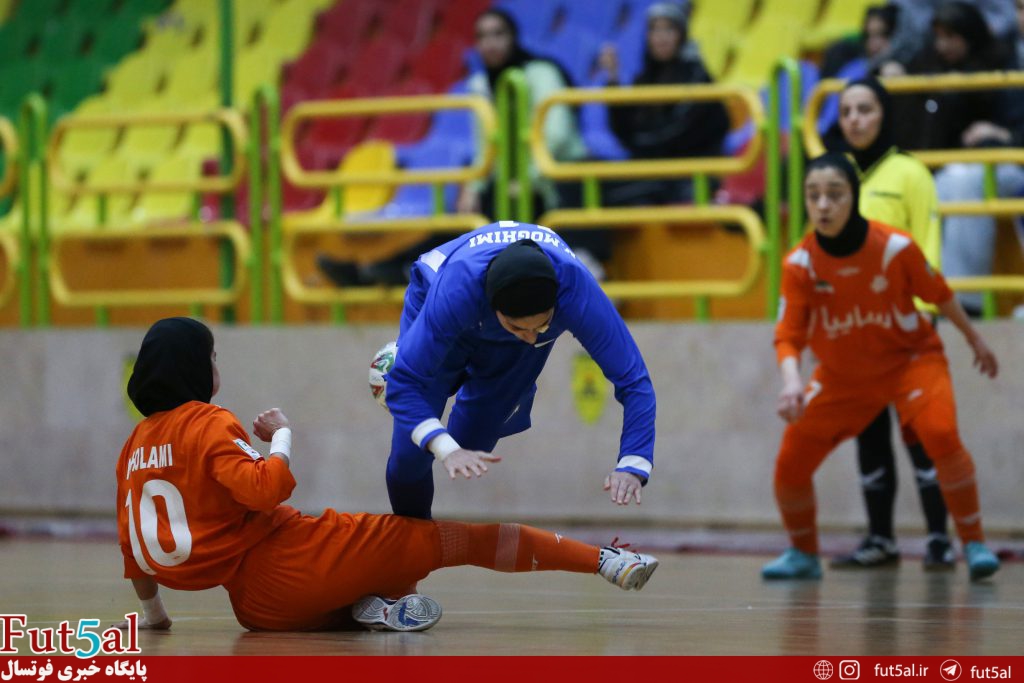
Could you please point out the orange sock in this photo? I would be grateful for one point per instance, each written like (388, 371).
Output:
(960, 491)
(513, 548)
(798, 508)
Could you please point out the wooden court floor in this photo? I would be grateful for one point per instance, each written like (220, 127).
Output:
(696, 604)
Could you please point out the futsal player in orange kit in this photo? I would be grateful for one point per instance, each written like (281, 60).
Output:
(199, 507)
(848, 293)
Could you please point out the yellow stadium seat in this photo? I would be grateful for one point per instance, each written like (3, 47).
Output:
(797, 12)
(193, 75)
(5, 8)
(136, 79)
(841, 18)
(768, 39)
(156, 207)
(253, 68)
(84, 213)
(200, 141)
(724, 12)
(145, 146)
(169, 40)
(375, 155)
(716, 45)
(82, 148)
(287, 31)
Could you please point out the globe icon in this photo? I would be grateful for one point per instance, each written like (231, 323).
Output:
(823, 670)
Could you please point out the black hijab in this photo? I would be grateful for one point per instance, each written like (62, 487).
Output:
(852, 237)
(967, 21)
(519, 56)
(883, 142)
(173, 366)
(521, 280)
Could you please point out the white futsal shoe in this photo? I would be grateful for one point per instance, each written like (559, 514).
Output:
(628, 571)
(409, 613)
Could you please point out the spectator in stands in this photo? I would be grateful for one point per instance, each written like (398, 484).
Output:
(497, 41)
(686, 129)
(898, 190)
(968, 242)
(963, 42)
(914, 28)
(862, 55)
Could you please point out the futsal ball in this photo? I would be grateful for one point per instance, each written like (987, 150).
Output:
(380, 366)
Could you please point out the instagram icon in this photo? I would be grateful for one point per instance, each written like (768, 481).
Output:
(849, 670)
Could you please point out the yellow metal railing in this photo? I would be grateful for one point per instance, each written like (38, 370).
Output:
(9, 144)
(12, 256)
(8, 239)
(741, 216)
(230, 231)
(235, 264)
(646, 168)
(336, 179)
(937, 157)
(419, 104)
(229, 119)
(299, 291)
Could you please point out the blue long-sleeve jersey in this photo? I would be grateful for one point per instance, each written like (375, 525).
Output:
(446, 310)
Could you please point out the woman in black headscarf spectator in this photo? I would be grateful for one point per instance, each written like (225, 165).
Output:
(684, 129)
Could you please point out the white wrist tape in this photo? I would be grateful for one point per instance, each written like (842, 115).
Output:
(281, 443)
(443, 445)
(153, 610)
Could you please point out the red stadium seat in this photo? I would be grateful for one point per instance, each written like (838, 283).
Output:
(319, 66)
(410, 23)
(349, 22)
(460, 16)
(441, 62)
(378, 64)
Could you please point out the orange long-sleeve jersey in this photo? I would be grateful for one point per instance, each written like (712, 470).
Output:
(857, 312)
(193, 496)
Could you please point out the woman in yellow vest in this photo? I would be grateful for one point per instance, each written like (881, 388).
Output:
(898, 190)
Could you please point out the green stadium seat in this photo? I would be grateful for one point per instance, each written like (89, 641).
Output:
(115, 40)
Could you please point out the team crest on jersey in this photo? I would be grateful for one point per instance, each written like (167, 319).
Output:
(249, 450)
(824, 286)
(879, 284)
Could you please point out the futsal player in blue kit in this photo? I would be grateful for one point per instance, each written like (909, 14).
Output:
(481, 315)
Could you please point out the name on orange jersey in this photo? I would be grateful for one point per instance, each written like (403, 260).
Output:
(835, 326)
(159, 456)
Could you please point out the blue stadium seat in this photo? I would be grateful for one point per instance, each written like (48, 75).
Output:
(600, 18)
(535, 18)
(418, 200)
(598, 137)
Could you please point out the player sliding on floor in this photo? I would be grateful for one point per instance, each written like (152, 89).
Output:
(199, 507)
(481, 315)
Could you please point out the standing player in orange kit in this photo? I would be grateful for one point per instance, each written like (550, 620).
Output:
(199, 507)
(848, 292)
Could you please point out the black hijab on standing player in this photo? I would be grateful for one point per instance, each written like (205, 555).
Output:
(173, 366)
(853, 234)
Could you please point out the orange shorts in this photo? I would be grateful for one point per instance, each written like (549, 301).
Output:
(837, 410)
(306, 573)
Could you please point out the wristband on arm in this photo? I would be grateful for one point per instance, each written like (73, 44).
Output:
(281, 444)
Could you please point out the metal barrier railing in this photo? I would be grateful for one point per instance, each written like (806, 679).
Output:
(9, 245)
(233, 265)
(34, 212)
(228, 231)
(284, 239)
(417, 104)
(741, 216)
(591, 172)
(990, 205)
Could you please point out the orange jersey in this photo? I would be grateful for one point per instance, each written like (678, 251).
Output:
(193, 497)
(857, 312)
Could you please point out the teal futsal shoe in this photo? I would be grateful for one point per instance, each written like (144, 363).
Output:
(793, 564)
(981, 561)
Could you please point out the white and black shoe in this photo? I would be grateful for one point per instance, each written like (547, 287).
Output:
(409, 613)
(628, 571)
(874, 551)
